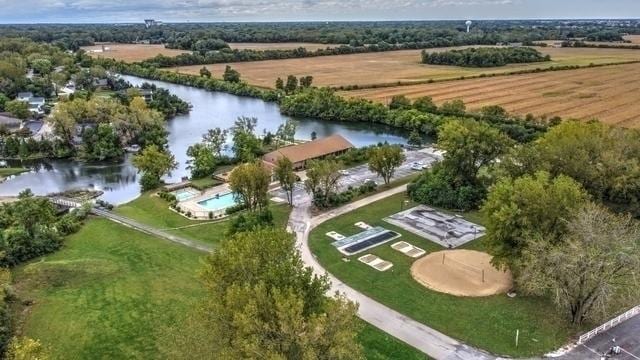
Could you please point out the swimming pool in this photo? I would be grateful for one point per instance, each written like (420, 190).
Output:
(218, 202)
(185, 194)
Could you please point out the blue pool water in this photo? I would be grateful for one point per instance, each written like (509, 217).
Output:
(220, 202)
(185, 194)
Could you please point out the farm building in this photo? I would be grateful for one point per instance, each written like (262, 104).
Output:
(316, 149)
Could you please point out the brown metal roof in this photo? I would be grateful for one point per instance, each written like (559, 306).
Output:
(310, 150)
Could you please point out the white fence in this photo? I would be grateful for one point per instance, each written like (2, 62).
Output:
(609, 324)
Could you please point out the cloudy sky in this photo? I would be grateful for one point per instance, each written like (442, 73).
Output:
(79, 11)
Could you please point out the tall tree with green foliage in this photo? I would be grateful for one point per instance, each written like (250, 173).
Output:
(231, 75)
(279, 84)
(453, 108)
(264, 304)
(246, 145)
(215, 139)
(415, 139)
(517, 211)
(425, 104)
(286, 132)
(153, 163)
(592, 270)
(18, 108)
(204, 72)
(291, 85)
(286, 176)
(250, 184)
(322, 180)
(202, 161)
(384, 160)
(399, 102)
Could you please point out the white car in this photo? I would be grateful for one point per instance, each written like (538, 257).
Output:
(417, 166)
(343, 172)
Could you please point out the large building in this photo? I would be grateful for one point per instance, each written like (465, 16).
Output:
(316, 149)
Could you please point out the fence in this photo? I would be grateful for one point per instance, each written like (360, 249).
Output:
(609, 324)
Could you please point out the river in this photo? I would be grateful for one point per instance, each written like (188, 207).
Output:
(119, 181)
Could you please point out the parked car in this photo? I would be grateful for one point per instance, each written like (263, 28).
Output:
(343, 172)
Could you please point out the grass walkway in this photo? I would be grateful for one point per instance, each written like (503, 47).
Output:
(489, 323)
(111, 291)
(154, 211)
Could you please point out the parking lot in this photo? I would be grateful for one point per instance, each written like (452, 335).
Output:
(625, 335)
(358, 175)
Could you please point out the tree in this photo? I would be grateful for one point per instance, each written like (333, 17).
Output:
(279, 84)
(469, 145)
(453, 108)
(400, 102)
(153, 163)
(425, 104)
(26, 349)
(18, 108)
(286, 132)
(322, 180)
(215, 139)
(250, 183)
(415, 139)
(42, 66)
(384, 160)
(519, 210)
(204, 72)
(231, 75)
(592, 270)
(306, 81)
(264, 304)
(202, 161)
(286, 176)
(292, 84)
(314, 135)
(246, 145)
(101, 143)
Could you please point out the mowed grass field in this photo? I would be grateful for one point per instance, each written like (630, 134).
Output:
(131, 52)
(281, 46)
(113, 293)
(610, 94)
(487, 322)
(396, 66)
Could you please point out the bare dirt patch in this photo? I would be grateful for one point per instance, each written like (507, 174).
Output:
(610, 94)
(397, 66)
(461, 273)
(130, 52)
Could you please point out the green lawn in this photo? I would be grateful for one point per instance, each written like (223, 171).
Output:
(105, 294)
(489, 322)
(205, 183)
(152, 210)
(378, 345)
(111, 291)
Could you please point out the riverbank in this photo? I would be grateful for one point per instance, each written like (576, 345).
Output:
(7, 172)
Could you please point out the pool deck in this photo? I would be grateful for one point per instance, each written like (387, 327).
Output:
(191, 205)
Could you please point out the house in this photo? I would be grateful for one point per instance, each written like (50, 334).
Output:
(10, 122)
(147, 94)
(36, 103)
(312, 150)
(101, 83)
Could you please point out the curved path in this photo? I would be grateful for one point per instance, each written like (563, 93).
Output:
(416, 334)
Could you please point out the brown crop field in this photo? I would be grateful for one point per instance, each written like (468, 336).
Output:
(610, 94)
(130, 52)
(396, 66)
(280, 46)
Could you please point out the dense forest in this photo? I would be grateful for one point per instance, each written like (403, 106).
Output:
(202, 36)
(484, 57)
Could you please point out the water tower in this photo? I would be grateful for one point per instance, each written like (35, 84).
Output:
(468, 23)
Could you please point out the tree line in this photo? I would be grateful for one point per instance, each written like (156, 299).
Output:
(484, 57)
(559, 211)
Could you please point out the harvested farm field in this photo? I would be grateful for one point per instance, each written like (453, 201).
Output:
(397, 66)
(610, 93)
(281, 46)
(130, 52)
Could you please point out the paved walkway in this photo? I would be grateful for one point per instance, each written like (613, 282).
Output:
(418, 335)
(151, 230)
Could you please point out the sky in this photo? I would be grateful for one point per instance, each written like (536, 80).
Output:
(118, 11)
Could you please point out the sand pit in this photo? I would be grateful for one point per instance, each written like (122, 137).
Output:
(461, 273)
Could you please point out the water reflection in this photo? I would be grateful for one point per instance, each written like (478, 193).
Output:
(119, 180)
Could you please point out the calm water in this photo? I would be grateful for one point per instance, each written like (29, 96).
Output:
(119, 181)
